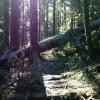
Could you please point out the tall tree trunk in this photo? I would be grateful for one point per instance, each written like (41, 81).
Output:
(44, 20)
(72, 21)
(87, 27)
(65, 17)
(72, 16)
(92, 9)
(1, 27)
(15, 25)
(6, 25)
(46, 28)
(34, 37)
(39, 22)
(34, 26)
(23, 24)
(54, 8)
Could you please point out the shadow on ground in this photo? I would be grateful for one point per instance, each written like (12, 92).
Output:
(60, 78)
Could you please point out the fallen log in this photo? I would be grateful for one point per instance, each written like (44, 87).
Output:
(61, 39)
(71, 35)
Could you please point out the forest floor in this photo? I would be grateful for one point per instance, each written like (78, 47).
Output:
(68, 78)
(60, 78)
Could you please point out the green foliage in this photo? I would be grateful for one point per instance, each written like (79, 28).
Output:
(88, 75)
(96, 38)
(68, 45)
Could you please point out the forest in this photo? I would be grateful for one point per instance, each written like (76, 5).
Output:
(49, 49)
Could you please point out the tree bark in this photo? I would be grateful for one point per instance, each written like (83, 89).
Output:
(6, 25)
(54, 9)
(46, 23)
(15, 25)
(87, 27)
(23, 26)
(34, 26)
